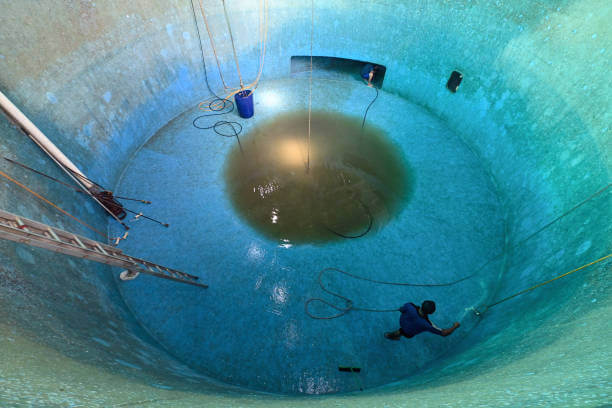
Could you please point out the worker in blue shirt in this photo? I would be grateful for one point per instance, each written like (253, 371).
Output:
(415, 320)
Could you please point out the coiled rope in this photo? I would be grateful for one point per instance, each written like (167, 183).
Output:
(219, 106)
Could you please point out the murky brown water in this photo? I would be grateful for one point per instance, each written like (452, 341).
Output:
(356, 181)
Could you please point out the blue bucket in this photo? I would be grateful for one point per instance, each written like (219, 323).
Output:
(244, 103)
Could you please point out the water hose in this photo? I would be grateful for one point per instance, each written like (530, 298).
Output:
(349, 303)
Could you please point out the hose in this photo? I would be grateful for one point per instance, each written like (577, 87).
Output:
(349, 303)
(370, 222)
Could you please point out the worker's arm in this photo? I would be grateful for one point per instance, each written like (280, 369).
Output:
(450, 330)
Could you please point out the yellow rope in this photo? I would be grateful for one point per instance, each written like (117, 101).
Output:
(544, 283)
(6, 176)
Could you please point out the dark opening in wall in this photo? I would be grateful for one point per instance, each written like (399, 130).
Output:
(336, 68)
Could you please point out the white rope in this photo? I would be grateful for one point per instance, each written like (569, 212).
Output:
(310, 82)
(212, 43)
(229, 28)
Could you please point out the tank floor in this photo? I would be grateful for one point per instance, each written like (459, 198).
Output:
(250, 328)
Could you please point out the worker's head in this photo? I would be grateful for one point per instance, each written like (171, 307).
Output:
(428, 306)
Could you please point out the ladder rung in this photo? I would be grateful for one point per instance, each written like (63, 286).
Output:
(78, 241)
(53, 234)
(21, 225)
(97, 245)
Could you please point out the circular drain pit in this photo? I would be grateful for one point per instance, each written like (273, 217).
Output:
(346, 183)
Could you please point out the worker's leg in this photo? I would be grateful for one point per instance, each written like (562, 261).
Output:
(404, 334)
(394, 335)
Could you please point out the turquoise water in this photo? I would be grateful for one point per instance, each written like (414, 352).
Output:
(250, 327)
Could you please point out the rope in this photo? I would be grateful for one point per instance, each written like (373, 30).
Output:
(487, 307)
(104, 196)
(6, 176)
(533, 234)
(220, 110)
(310, 84)
(229, 28)
(78, 190)
(195, 22)
(139, 214)
(349, 303)
(212, 44)
(217, 103)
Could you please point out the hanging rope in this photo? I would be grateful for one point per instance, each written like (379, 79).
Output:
(78, 190)
(40, 197)
(533, 234)
(106, 197)
(349, 303)
(487, 307)
(212, 44)
(310, 84)
(215, 101)
(217, 105)
(229, 28)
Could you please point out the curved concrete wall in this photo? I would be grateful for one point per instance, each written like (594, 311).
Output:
(99, 78)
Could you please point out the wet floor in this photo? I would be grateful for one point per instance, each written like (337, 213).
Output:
(250, 327)
(345, 182)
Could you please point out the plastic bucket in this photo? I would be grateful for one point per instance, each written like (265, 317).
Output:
(244, 103)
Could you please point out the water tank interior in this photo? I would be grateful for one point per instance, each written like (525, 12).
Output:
(314, 220)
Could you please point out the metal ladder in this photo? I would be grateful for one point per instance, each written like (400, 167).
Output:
(23, 230)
